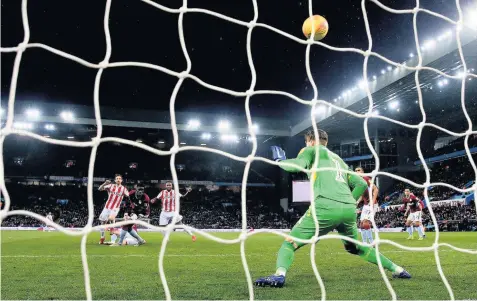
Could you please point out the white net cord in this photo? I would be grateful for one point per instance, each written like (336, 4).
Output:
(9, 130)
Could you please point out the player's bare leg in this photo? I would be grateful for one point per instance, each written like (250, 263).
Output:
(102, 232)
(419, 230)
(179, 222)
(366, 231)
(364, 234)
(409, 229)
(194, 238)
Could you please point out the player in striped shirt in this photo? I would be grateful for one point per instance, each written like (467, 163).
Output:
(167, 197)
(49, 216)
(116, 193)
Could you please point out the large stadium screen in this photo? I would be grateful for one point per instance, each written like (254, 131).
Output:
(301, 191)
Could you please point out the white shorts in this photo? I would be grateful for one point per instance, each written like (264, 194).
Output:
(130, 241)
(166, 218)
(365, 213)
(108, 214)
(415, 216)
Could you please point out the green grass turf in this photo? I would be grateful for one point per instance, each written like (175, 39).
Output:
(37, 265)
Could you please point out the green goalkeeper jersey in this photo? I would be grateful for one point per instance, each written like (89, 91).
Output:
(334, 185)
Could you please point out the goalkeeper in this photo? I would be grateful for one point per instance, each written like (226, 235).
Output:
(335, 205)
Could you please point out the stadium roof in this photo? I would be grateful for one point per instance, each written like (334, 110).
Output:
(396, 85)
(440, 95)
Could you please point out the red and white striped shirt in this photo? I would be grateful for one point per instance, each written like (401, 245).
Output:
(168, 200)
(115, 195)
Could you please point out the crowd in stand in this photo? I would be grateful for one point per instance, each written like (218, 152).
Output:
(457, 172)
(217, 208)
(208, 209)
(449, 217)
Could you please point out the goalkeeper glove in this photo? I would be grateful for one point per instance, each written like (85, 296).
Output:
(278, 154)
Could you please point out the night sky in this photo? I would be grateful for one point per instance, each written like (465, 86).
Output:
(143, 33)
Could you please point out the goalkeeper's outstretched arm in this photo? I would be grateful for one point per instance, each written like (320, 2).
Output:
(358, 185)
(304, 160)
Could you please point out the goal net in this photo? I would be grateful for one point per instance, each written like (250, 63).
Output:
(457, 25)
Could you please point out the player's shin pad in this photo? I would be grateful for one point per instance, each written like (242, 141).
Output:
(286, 254)
(370, 255)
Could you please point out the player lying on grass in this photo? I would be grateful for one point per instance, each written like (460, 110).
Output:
(129, 229)
(335, 207)
(128, 239)
(414, 214)
(116, 193)
(369, 207)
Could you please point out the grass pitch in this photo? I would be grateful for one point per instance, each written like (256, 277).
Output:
(41, 265)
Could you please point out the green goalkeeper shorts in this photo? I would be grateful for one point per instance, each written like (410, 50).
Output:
(331, 215)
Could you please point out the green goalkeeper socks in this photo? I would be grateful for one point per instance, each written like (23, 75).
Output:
(369, 254)
(286, 254)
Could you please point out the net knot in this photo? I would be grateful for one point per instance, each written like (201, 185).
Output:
(250, 158)
(459, 25)
(183, 9)
(252, 24)
(374, 173)
(22, 46)
(96, 140)
(103, 65)
(315, 239)
(3, 214)
(88, 228)
(367, 53)
(6, 130)
(249, 93)
(174, 149)
(183, 74)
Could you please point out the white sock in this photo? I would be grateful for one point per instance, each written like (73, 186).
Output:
(102, 233)
(422, 229)
(399, 270)
(281, 272)
(370, 236)
(363, 235)
(412, 230)
(419, 231)
(409, 230)
(113, 238)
